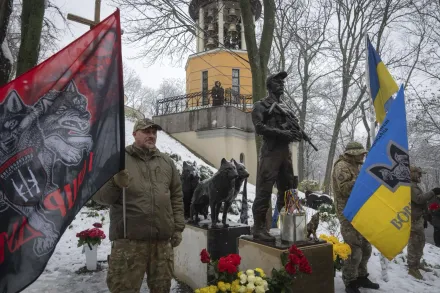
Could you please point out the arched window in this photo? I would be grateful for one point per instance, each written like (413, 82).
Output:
(242, 158)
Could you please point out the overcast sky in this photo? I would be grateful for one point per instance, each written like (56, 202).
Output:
(151, 76)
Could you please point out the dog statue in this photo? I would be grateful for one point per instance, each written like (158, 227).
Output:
(312, 226)
(214, 191)
(190, 179)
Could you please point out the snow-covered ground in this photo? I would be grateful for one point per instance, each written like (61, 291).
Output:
(60, 274)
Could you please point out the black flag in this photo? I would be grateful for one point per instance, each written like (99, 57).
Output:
(61, 138)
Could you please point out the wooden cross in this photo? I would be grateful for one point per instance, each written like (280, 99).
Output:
(90, 23)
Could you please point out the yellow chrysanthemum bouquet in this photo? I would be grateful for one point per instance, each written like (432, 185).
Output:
(341, 251)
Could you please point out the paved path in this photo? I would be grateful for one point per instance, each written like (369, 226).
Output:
(429, 233)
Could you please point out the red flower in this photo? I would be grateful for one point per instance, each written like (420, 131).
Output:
(304, 266)
(294, 250)
(290, 268)
(204, 256)
(434, 206)
(97, 225)
(294, 259)
(229, 263)
(235, 259)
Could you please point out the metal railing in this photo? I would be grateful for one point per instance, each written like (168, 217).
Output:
(201, 100)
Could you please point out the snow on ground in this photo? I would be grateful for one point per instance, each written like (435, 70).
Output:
(60, 274)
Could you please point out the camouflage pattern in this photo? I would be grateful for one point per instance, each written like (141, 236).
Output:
(354, 148)
(416, 243)
(345, 171)
(356, 264)
(419, 201)
(131, 259)
(144, 124)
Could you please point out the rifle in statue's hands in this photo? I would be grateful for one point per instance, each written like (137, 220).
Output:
(293, 123)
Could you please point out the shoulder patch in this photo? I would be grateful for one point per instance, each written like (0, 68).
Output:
(343, 175)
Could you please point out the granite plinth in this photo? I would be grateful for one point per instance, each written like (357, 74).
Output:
(219, 241)
(265, 255)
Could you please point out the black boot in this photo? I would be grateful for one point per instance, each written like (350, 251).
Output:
(259, 231)
(364, 282)
(352, 287)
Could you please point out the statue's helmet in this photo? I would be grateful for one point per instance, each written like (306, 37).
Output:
(279, 75)
(354, 148)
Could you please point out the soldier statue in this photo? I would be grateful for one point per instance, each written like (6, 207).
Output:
(279, 127)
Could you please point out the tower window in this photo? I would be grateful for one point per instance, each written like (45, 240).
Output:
(236, 86)
(204, 88)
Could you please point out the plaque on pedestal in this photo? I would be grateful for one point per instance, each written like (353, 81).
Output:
(264, 255)
(218, 242)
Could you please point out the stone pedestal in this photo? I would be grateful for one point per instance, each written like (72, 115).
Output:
(257, 254)
(218, 242)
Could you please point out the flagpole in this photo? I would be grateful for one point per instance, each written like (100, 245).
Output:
(382, 259)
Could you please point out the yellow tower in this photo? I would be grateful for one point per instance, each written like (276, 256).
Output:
(221, 53)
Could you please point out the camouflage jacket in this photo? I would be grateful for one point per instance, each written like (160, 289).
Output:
(345, 172)
(154, 199)
(419, 201)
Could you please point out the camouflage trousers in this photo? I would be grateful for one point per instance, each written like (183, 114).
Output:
(131, 259)
(356, 264)
(416, 243)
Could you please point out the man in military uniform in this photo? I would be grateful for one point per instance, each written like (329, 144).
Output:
(416, 243)
(275, 163)
(153, 219)
(345, 171)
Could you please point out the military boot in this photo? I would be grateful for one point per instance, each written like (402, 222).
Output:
(352, 287)
(364, 282)
(423, 267)
(259, 230)
(415, 273)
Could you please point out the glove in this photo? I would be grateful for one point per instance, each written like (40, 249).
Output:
(436, 190)
(176, 239)
(425, 224)
(122, 179)
(291, 135)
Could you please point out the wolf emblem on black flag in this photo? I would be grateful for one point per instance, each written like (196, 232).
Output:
(61, 139)
(58, 130)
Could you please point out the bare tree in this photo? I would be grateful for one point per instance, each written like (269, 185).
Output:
(300, 44)
(5, 53)
(159, 28)
(354, 19)
(51, 33)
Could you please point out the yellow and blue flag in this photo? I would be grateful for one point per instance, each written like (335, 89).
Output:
(380, 82)
(379, 206)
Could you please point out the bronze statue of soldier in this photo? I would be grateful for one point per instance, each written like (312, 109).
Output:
(279, 127)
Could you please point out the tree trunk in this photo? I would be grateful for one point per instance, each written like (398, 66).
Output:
(302, 116)
(331, 155)
(31, 25)
(258, 57)
(5, 62)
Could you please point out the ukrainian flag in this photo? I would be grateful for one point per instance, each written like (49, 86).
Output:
(381, 84)
(379, 206)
